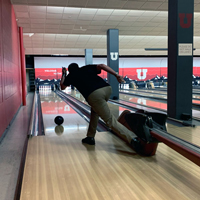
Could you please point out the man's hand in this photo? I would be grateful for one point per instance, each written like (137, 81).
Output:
(106, 68)
(120, 78)
(64, 71)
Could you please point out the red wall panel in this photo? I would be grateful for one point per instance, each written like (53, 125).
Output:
(10, 83)
(2, 108)
(139, 74)
(151, 72)
(144, 73)
(1, 89)
(48, 73)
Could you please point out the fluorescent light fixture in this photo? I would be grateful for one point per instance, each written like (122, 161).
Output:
(155, 49)
(80, 29)
(159, 49)
(29, 34)
(60, 54)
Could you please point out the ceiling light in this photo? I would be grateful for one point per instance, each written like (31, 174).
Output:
(31, 34)
(159, 49)
(59, 54)
(80, 29)
(155, 49)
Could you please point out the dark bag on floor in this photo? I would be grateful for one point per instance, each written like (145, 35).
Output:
(142, 122)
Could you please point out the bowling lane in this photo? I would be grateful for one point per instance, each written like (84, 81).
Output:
(162, 90)
(60, 168)
(154, 103)
(189, 134)
(161, 95)
(52, 106)
(154, 91)
(116, 110)
(138, 102)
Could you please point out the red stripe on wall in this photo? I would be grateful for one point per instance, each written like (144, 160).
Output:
(139, 74)
(48, 73)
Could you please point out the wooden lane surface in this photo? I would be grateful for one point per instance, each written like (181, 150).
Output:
(190, 134)
(61, 168)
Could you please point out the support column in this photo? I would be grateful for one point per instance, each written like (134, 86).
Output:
(180, 57)
(88, 56)
(23, 65)
(113, 60)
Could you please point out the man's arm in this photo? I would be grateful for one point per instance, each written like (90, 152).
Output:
(64, 71)
(106, 68)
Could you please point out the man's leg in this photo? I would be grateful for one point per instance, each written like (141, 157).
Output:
(94, 118)
(98, 101)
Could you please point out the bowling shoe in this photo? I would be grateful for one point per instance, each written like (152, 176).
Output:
(89, 140)
(136, 144)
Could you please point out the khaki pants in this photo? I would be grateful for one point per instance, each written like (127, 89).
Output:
(99, 108)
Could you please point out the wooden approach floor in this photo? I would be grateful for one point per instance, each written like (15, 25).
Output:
(62, 168)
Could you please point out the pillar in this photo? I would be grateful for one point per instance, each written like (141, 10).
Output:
(180, 57)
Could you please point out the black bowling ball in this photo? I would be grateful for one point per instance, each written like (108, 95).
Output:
(59, 120)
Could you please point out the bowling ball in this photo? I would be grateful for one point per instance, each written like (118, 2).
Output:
(59, 120)
(59, 130)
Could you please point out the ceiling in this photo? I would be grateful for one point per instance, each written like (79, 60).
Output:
(68, 27)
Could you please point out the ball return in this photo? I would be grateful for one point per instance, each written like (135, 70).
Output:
(150, 129)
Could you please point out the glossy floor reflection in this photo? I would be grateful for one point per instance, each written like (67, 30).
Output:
(138, 102)
(57, 166)
(53, 106)
(189, 134)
